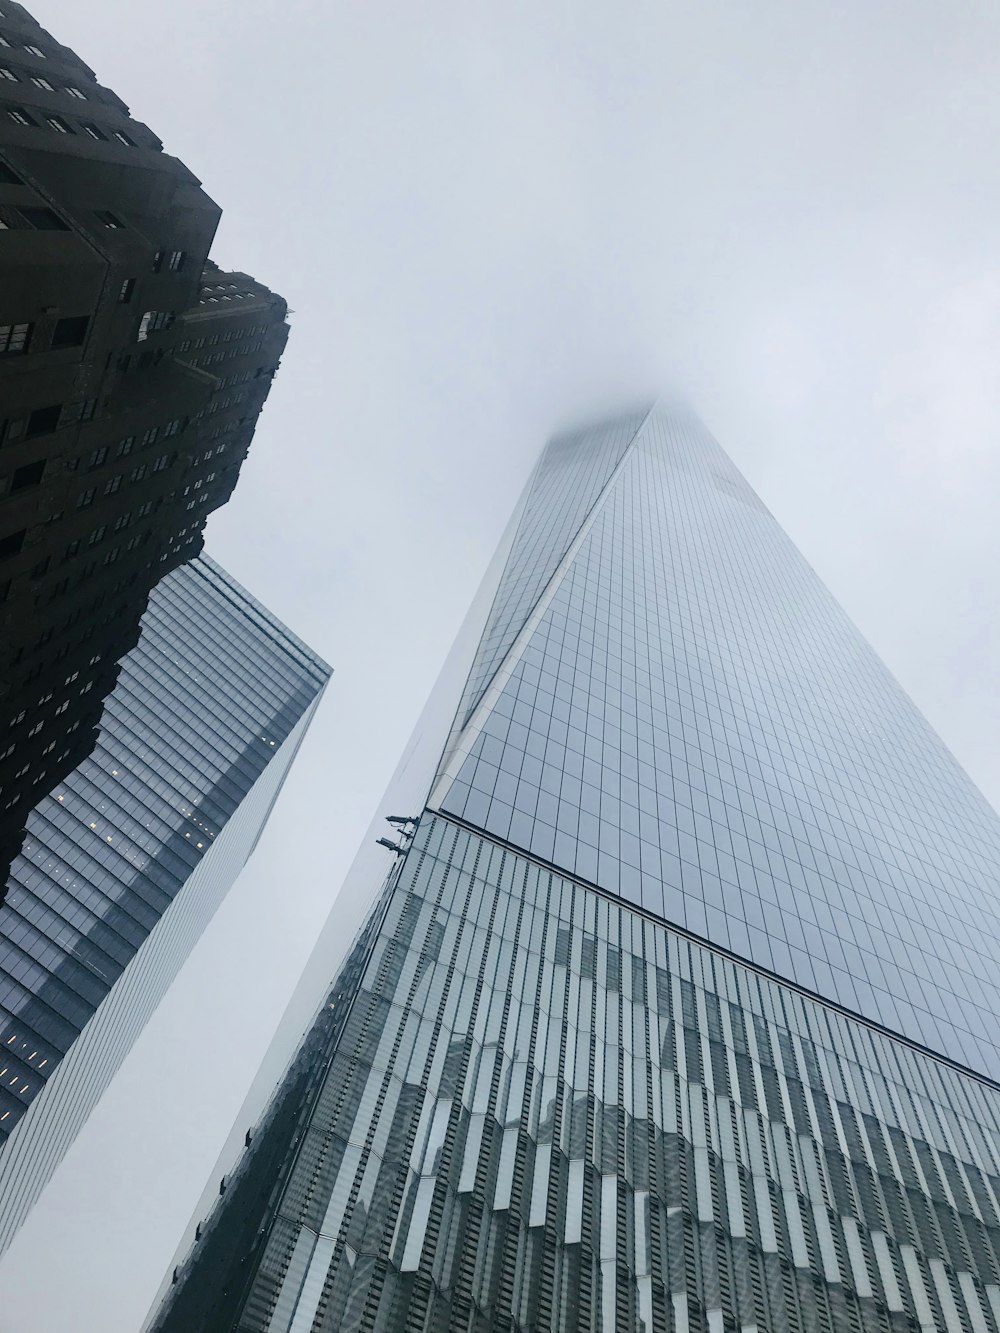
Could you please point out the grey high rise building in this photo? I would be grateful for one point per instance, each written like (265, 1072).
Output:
(678, 1010)
(127, 859)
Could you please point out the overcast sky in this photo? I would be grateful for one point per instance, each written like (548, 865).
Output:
(490, 221)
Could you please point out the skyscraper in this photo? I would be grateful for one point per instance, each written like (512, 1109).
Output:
(132, 374)
(678, 1010)
(127, 859)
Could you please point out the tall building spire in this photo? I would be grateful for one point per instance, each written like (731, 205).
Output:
(678, 1012)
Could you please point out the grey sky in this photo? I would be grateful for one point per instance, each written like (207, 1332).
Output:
(492, 220)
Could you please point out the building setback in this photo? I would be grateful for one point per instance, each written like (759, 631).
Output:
(678, 1010)
(126, 860)
(132, 373)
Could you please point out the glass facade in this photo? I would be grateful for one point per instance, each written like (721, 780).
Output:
(678, 1012)
(195, 740)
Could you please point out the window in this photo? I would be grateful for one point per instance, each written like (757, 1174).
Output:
(126, 290)
(11, 543)
(98, 456)
(20, 116)
(39, 82)
(43, 219)
(6, 73)
(58, 124)
(139, 472)
(172, 427)
(28, 475)
(112, 485)
(3, 40)
(176, 260)
(14, 338)
(122, 521)
(75, 92)
(152, 321)
(149, 437)
(85, 498)
(162, 462)
(110, 220)
(35, 51)
(71, 549)
(43, 420)
(122, 137)
(144, 509)
(81, 411)
(97, 535)
(70, 332)
(94, 131)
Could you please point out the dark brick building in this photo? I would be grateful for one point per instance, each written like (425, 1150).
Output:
(132, 372)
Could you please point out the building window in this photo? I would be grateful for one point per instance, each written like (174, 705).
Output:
(126, 290)
(97, 535)
(71, 549)
(94, 131)
(85, 498)
(111, 485)
(176, 260)
(43, 219)
(20, 116)
(80, 411)
(153, 321)
(162, 462)
(6, 73)
(149, 437)
(126, 445)
(35, 51)
(172, 427)
(58, 124)
(3, 40)
(14, 338)
(122, 521)
(28, 475)
(44, 420)
(122, 137)
(98, 456)
(110, 220)
(76, 92)
(139, 472)
(39, 82)
(71, 332)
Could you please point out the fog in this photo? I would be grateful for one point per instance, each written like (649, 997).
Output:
(492, 221)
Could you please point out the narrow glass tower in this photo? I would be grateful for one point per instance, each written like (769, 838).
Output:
(126, 861)
(678, 1011)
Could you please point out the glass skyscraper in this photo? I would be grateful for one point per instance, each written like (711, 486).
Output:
(678, 1010)
(128, 858)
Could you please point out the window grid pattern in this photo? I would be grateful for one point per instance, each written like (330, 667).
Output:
(570, 477)
(696, 726)
(200, 708)
(547, 1110)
